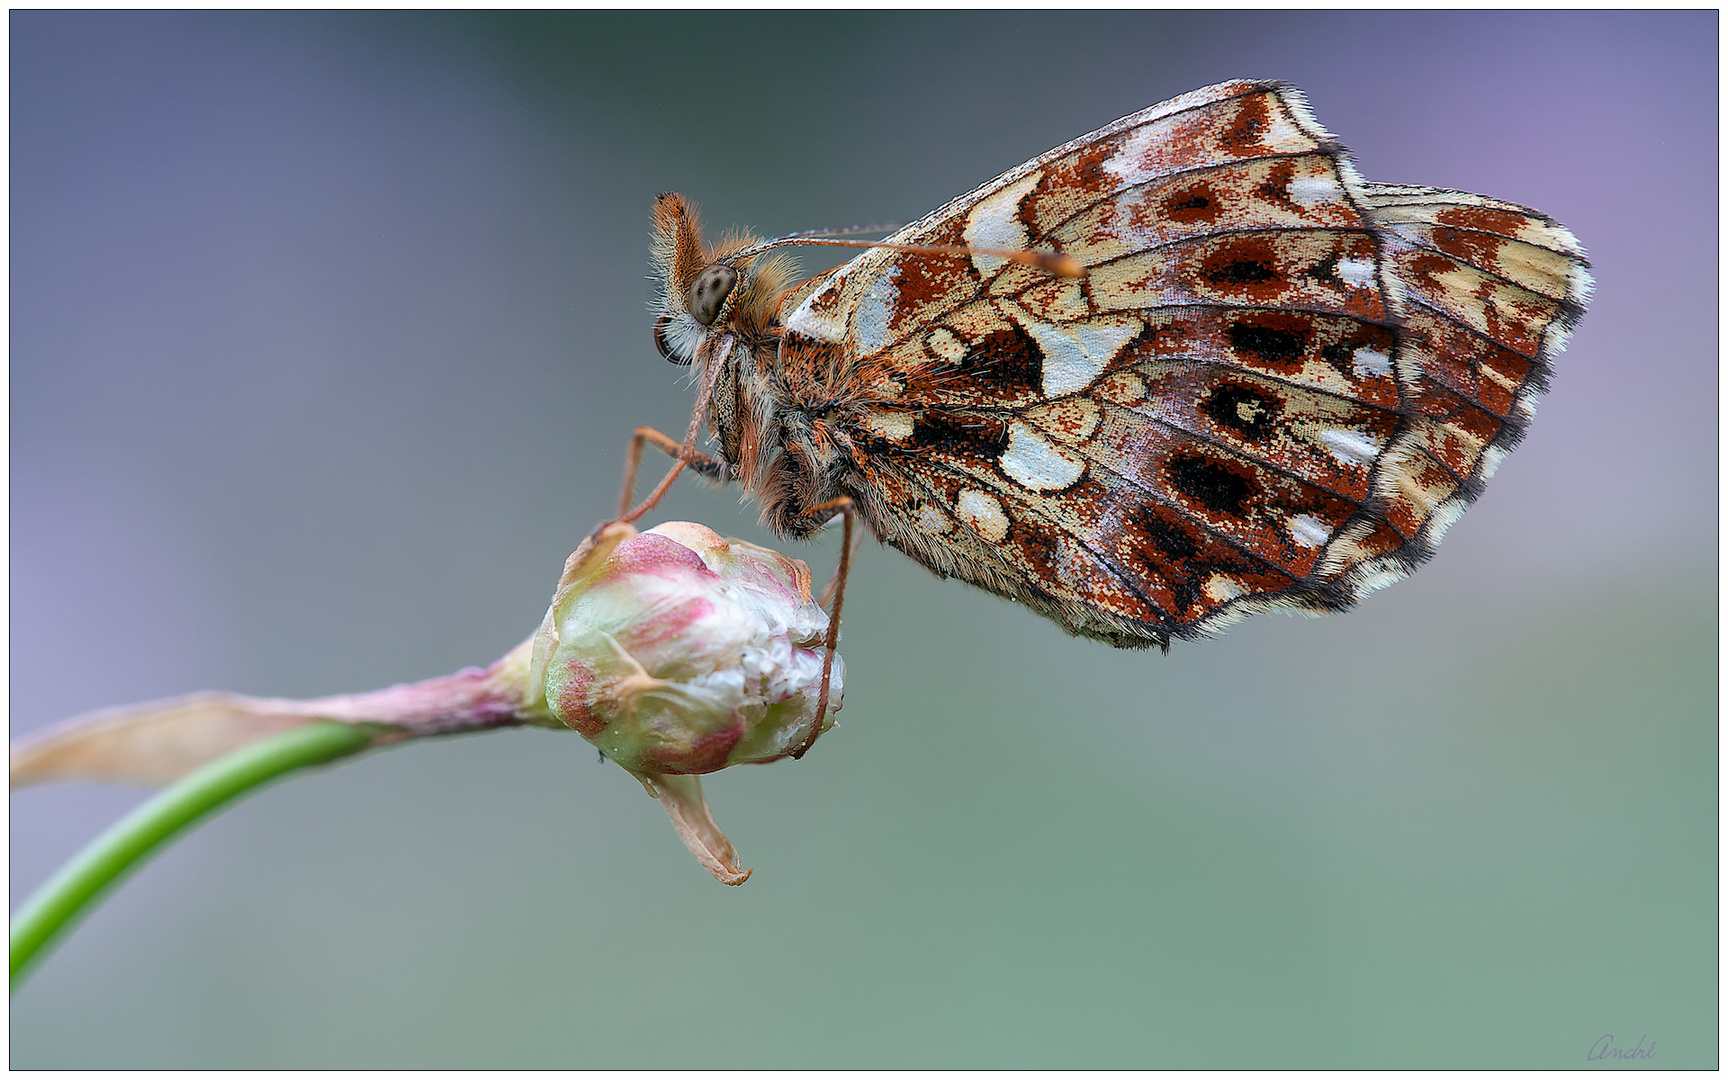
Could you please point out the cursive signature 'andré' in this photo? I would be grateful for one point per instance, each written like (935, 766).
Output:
(1605, 1050)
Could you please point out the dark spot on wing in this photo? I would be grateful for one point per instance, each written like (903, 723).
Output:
(1197, 203)
(1007, 362)
(1245, 131)
(1214, 485)
(1326, 272)
(1277, 186)
(1240, 272)
(1339, 356)
(1167, 536)
(967, 436)
(1270, 345)
(1249, 411)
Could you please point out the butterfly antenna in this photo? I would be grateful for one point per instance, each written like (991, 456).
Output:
(1060, 265)
(848, 230)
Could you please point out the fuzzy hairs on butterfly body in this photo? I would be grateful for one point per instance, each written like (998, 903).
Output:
(718, 313)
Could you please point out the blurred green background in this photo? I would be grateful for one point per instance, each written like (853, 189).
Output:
(328, 331)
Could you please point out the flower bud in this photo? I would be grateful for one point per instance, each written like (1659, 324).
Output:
(683, 653)
(674, 651)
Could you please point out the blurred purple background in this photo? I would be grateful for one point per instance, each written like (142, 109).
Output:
(328, 330)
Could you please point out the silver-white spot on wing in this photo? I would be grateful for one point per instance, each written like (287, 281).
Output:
(804, 320)
(1075, 354)
(1315, 190)
(1351, 447)
(870, 318)
(995, 223)
(1308, 531)
(1219, 588)
(1037, 464)
(932, 520)
(1357, 273)
(1368, 362)
(982, 514)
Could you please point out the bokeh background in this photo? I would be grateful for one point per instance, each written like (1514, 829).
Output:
(328, 331)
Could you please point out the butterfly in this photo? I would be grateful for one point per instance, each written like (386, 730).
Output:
(1181, 370)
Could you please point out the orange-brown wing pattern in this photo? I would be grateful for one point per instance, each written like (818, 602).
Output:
(1274, 385)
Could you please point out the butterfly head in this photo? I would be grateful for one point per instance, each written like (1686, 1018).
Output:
(708, 291)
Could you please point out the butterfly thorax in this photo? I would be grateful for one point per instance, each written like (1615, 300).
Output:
(786, 417)
(783, 409)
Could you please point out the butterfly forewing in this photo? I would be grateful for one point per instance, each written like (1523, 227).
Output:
(1272, 384)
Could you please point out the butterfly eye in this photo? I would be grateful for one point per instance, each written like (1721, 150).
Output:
(709, 291)
(661, 325)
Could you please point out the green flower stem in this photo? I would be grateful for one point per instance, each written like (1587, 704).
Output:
(141, 832)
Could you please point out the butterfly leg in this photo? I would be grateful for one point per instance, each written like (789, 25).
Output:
(708, 466)
(844, 507)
